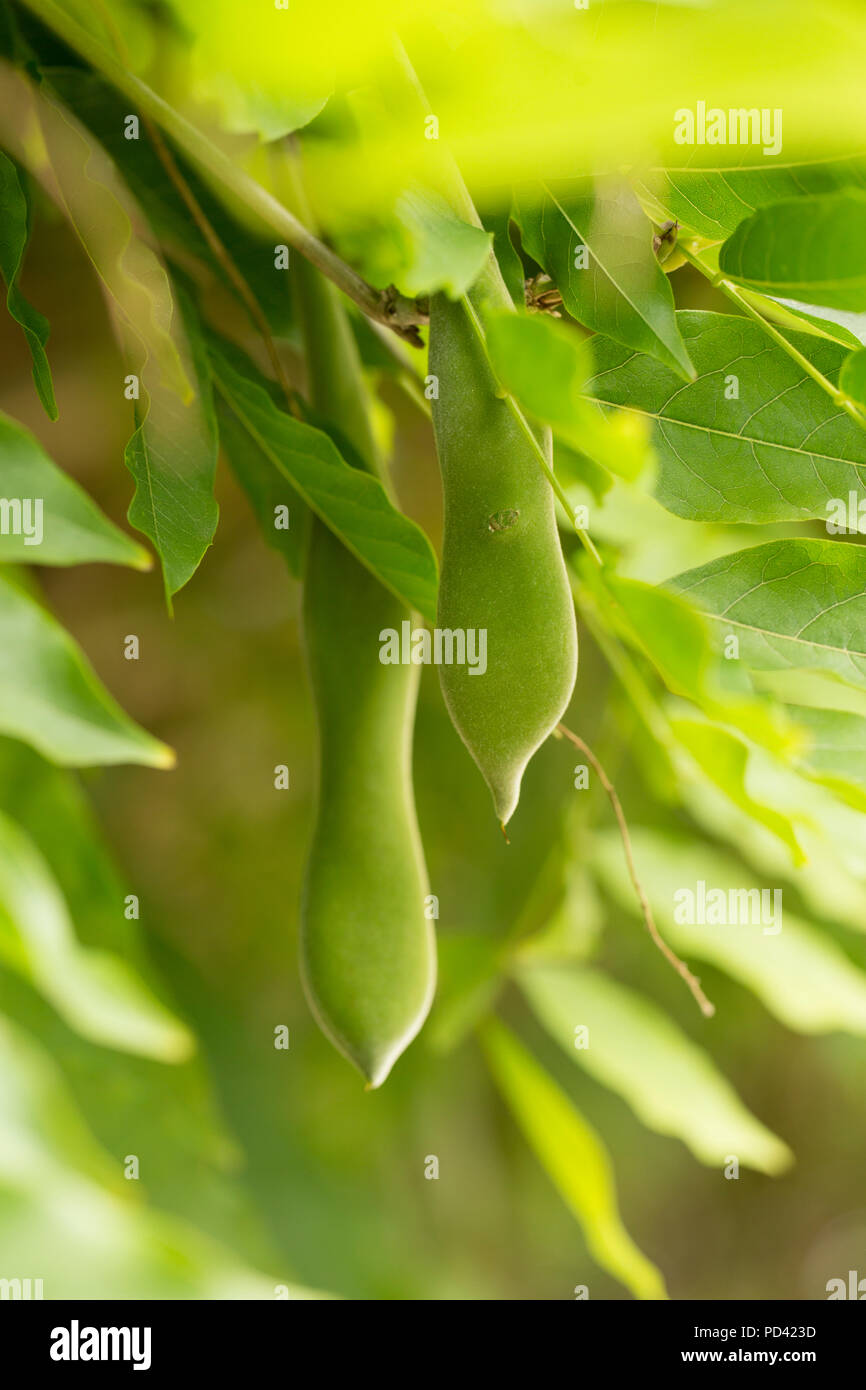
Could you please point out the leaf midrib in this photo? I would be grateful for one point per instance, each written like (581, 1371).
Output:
(725, 434)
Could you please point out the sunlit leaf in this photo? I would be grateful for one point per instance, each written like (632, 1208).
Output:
(724, 758)
(836, 751)
(49, 805)
(670, 1083)
(136, 1104)
(232, 67)
(832, 882)
(545, 365)
(447, 254)
(67, 1212)
(572, 1155)
(577, 470)
(494, 75)
(51, 698)
(71, 528)
(713, 202)
(852, 378)
(800, 974)
(96, 992)
(791, 603)
(677, 639)
(807, 249)
(418, 244)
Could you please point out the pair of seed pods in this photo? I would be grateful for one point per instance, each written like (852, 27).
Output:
(367, 947)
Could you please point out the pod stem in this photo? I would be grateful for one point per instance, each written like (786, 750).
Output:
(694, 984)
(514, 408)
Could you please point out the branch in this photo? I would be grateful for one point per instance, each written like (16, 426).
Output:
(694, 984)
(396, 311)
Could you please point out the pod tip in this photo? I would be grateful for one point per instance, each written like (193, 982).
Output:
(377, 1073)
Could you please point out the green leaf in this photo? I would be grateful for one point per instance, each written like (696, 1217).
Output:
(259, 66)
(67, 1212)
(447, 254)
(544, 365)
(572, 922)
(169, 1110)
(94, 991)
(267, 490)
(469, 979)
(724, 758)
(852, 378)
(49, 805)
(843, 327)
(172, 457)
(791, 603)
(623, 291)
(713, 202)
(679, 642)
(52, 699)
(831, 884)
(576, 469)
(572, 1155)
(14, 234)
(836, 751)
(671, 1084)
(416, 242)
(507, 258)
(792, 316)
(73, 529)
(352, 503)
(806, 249)
(799, 973)
(753, 438)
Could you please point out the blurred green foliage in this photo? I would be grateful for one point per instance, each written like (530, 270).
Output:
(265, 1171)
(280, 1156)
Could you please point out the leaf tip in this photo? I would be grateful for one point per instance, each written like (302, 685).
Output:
(179, 1045)
(164, 757)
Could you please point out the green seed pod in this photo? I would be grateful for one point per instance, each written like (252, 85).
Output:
(502, 565)
(368, 956)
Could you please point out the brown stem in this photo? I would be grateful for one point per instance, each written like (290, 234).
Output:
(694, 984)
